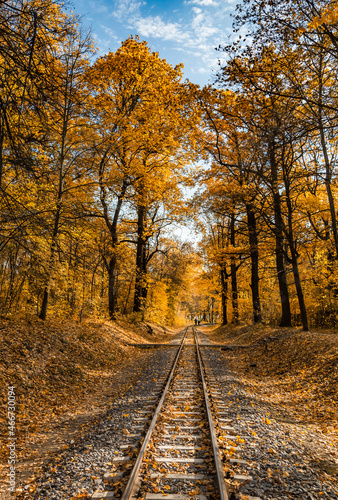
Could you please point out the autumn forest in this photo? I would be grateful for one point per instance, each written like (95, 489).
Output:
(104, 159)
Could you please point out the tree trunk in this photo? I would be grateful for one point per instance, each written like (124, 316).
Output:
(44, 305)
(2, 137)
(299, 289)
(43, 312)
(234, 292)
(328, 177)
(253, 242)
(112, 287)
(233, 268)
(328, 168)
(113, 229)
(281, 271)
(224, 295)
(51, 262)
(141, 265)
(294, 257)
(127, 299)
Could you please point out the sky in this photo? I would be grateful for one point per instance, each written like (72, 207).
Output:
(181, 31)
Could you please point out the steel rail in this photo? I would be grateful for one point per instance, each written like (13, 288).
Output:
(132, 485)
(222, 487)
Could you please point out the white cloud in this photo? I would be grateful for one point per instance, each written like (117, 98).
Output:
(126, 8)
(203, 70)
(193, 32)
(205, 3)
(156, 27)
(202, 26)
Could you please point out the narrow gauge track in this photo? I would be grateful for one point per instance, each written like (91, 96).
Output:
(179, 457)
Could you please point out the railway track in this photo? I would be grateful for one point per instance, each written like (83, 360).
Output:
(187, 443)
(154, 445)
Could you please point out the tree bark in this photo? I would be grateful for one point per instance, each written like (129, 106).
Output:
(113, 229)
(224, 295)
(51, 262)
(59, 201)
(281, 271)
(328, 169)
(2, 137)
(112, 287)
(141, 264)
(294, 257)
(254, 257)
(233, 270)
(299, 289)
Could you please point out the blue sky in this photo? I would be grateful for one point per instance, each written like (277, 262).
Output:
(181, 31)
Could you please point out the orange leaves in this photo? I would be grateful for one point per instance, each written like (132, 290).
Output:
(133, 84)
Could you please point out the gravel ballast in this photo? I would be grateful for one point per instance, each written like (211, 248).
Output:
(81, 469)
(278, 458)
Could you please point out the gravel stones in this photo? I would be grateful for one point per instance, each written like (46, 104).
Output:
(277, 459)
(81, 470)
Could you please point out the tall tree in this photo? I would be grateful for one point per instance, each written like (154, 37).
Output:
(230, 144)
(137, 101)
(66, 132)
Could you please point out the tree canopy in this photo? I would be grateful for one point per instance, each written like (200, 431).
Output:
(97, 156)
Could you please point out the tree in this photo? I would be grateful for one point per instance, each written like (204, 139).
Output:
(231, 147)
(66, 137)
(137, 101)
(36, 74)
(301, 37)
(279, 132)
